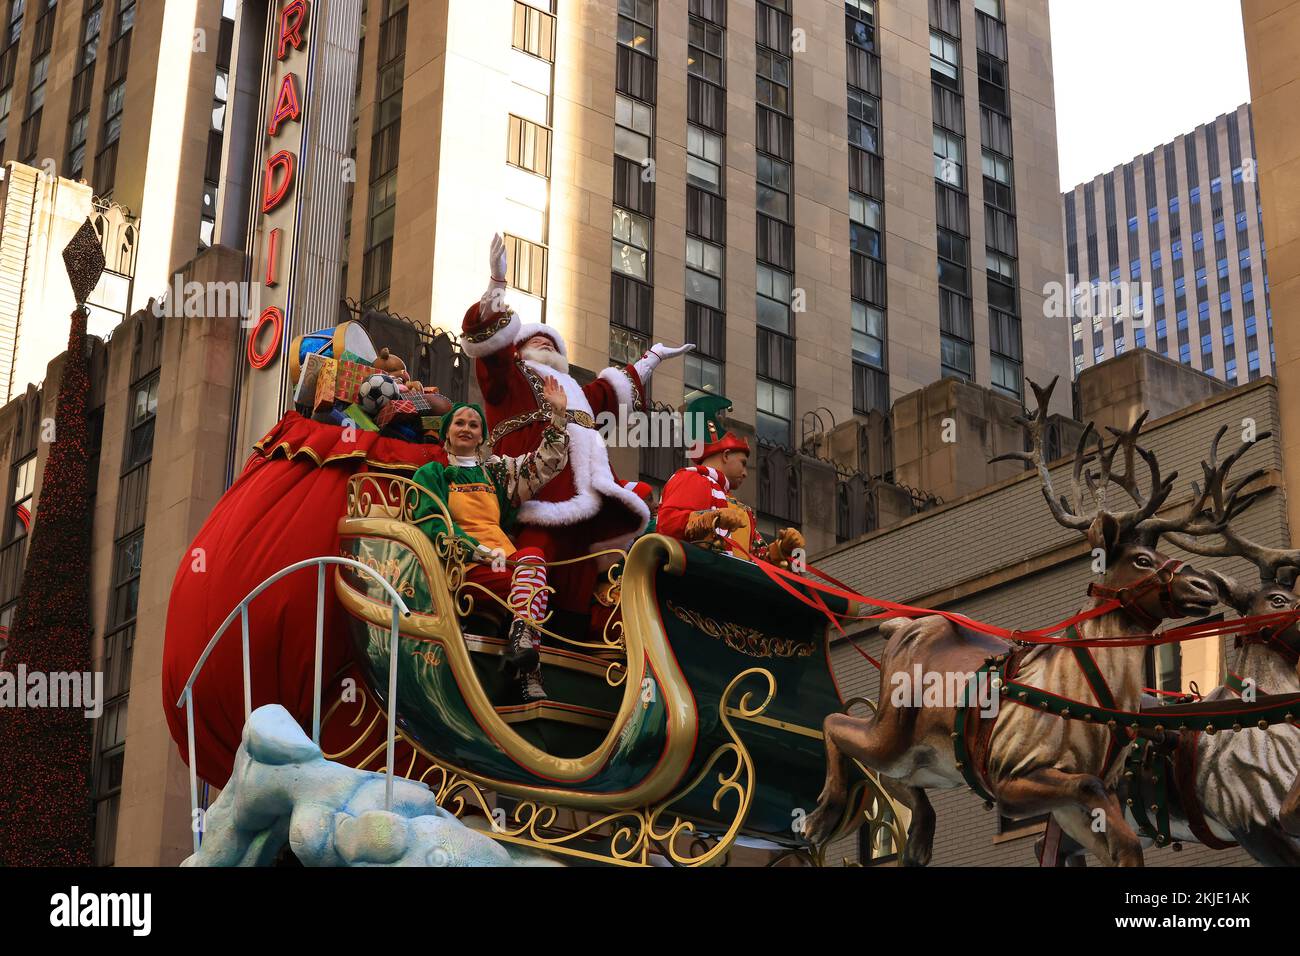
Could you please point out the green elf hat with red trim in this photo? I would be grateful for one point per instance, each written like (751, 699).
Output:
(704, 426)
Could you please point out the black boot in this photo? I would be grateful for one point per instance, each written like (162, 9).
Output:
(521, 652)
(529, 686)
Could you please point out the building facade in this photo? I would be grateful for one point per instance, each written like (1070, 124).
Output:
(1167, 253)
(1274, 71)
(679, 170)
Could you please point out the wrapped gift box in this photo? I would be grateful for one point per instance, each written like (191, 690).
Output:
(360, 418)
(348, 379)
(399, 409)
(305, 391)
(323, 397)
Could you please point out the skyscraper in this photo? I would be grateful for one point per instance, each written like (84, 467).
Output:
(1177, 231)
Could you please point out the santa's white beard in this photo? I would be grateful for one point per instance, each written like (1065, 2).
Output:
(548, 357)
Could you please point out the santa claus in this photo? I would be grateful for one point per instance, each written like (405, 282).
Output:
(586, 508)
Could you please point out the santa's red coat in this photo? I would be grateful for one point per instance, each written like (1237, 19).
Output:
(585, 508)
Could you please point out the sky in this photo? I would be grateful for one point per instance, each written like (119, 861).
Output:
(1133, 74)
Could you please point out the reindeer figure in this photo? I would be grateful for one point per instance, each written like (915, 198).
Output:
(1241, 779)
(1033, 762)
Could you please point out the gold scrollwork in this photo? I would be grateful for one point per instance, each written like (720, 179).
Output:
(390, 571)
(746, 640)
(627, 837)
(378, 495)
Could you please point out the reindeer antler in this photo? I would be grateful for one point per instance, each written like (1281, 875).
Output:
(1076, 512)
(1227, 503)
(1066, 511)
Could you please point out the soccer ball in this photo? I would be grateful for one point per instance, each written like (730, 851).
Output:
(376, 392)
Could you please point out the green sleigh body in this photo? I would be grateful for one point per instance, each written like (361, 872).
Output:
(678, 695)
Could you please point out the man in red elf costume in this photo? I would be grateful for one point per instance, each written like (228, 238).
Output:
(585, 508)
(697, 504)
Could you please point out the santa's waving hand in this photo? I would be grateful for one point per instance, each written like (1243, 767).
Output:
(585, 508)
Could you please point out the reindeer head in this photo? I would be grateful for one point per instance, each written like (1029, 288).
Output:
(1278, 567)
(1150, 585)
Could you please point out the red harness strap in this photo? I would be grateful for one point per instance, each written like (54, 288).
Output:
(1185, 782)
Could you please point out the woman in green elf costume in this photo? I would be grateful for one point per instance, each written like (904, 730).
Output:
(482, 495)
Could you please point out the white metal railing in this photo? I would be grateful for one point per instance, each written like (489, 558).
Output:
(186, 700)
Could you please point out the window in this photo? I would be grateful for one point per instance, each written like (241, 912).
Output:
(1181, 317)
(529, 146)
(1200, 278)
(773, 81)
(948, 157)
(703, 272)
(704, 51)
(773, 187)
(1133, 224)
(1198, 240)
(868, 335)
(1000, 266)
(1248, 292)
(1156, 259)
(144, 409)
(1176, 249)
(866, 218)
(704, 158)
(636, 25)
(859, 23)
(944, 59)
(534, 32)
(864, 120)
(702, 374)
(1185, 353)
(20, 500)
(992, 7)
(956, 358)
(1180, 286)
(952, 260)
(633, 125)
(775, 409)
(631, 243)
(773, 302)
(1159, 295)
(527, 264)
(996, 167)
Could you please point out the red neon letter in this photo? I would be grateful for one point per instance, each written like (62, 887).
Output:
(273, 316)
(272, 195)
(286, 103)
(292, 19)
(273, 257)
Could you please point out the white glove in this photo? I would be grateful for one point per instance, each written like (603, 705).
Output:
(493, 300)
(648, 362)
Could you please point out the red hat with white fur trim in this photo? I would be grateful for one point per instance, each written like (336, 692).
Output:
(526, 332)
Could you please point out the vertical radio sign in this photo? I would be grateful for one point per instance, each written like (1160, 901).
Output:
(279, 198)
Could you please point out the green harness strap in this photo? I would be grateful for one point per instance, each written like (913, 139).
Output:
(1160, 771)
(964, 761)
